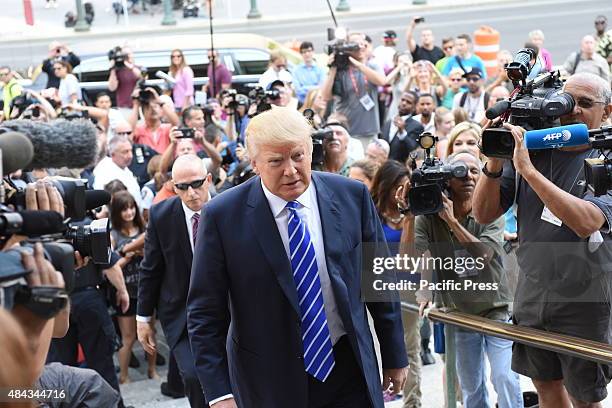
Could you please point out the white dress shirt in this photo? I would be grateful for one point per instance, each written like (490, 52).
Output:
(106, 171)
(428, 127)
(309, 213)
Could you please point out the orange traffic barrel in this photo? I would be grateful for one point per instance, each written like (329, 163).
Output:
(486, 46)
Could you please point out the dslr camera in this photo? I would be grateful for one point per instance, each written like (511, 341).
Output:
(117, 55)
(431, 180)
(340, 48)
(536, 104)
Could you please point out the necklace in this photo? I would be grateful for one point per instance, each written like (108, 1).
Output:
(394, 220)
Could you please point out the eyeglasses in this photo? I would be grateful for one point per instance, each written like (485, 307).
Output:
(4, 73)
(455, 79)
(127, 133)
(194, 184)
(587, 103)
(600, 22)
(472, 79)
(177, 56)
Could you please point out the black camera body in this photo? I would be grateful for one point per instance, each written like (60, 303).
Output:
(92, 240)
(431, 180)
(429, 183)
(538, 104)
(117, 55)
(70, 114)
(262, 98)
(598, 171)
(341, 50)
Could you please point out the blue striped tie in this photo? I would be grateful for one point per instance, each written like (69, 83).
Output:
(318, 350)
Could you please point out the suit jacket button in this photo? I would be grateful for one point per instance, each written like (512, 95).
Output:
(300, 357)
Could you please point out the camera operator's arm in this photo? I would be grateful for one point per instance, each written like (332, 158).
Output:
(113, 82)
(373, 77)
(135, 113)
(230, 126)
(210, 150)
(473, 244)
(167, 109)
(581, 216)
(410, 35)
(92, 111)
(486, 202)
(328, 85)
(115, 277)
(44, 103)
(168, 156)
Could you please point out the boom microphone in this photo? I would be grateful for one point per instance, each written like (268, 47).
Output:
(58, 144)
(561, 136)
(17, 151)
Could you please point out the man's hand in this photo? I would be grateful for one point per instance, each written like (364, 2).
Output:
(399, 123)
(358, 64)
(175, 134)
(447, 213)
(123, 300)
(422, 307)
(395, 377)
(43, 196)
(79, 261)
(43, 273)
(521, 160)
(146, 336)
(228, 403)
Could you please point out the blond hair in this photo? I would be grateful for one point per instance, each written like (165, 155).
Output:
(277, 127)
(462, 127)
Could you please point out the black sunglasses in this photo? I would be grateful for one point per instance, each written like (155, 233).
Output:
(194, 184)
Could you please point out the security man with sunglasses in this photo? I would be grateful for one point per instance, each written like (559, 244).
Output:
(166, 268)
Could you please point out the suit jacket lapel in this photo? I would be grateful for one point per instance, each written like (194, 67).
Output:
(183, 233)
(268, 237)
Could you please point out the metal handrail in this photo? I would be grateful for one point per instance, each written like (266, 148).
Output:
(560, 343)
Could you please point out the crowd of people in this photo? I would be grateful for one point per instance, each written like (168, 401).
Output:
(164, 159)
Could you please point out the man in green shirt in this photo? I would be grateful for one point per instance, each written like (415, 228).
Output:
(469, 278)
(10, 89)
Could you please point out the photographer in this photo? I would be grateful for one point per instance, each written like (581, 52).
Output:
(451, 234)
(357, 89)
(554, 205)
(41, 110)
(124, 75)
(58, 51)
(152, 132)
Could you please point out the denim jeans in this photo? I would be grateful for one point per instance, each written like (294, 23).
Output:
(471, 348)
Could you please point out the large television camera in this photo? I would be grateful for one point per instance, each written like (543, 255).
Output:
(431, 180)
(340, 48)
(535, 104)
(598, 171)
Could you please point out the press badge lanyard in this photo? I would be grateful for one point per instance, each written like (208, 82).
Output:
(354, 81)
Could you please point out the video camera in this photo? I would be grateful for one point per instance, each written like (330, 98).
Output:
(535, 104)
(118, 55)
(598, 171)
(318, 136)
(262, 98)
(340, 48)
(431, 180)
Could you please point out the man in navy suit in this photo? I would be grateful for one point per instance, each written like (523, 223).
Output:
(274, 312)
(166, 267)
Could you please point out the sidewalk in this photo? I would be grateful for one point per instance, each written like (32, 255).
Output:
(49, 23)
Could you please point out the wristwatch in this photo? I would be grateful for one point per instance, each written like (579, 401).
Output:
(489, 174)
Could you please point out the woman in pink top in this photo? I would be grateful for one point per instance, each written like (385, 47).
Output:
(182, 93)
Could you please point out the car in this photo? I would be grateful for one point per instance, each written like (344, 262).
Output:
(245, 55)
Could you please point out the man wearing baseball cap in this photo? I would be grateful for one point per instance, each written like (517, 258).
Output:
(383, 54)
(474, 101)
